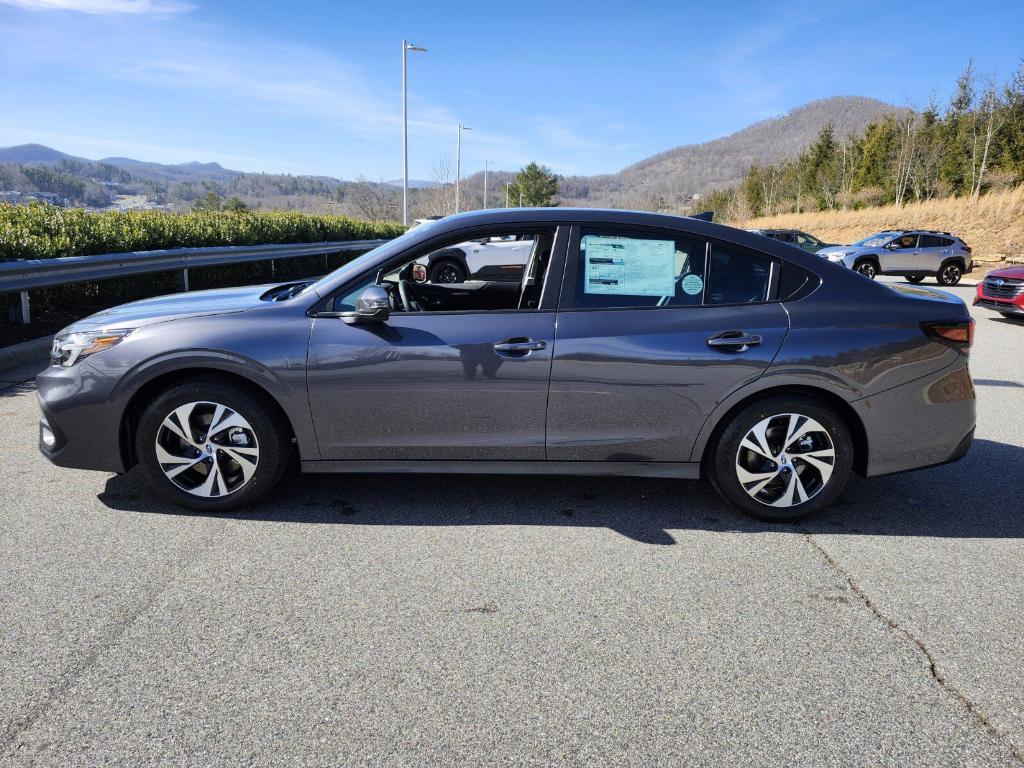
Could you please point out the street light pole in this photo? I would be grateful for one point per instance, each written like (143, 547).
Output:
(508, 188)
(406, 47)
(485, 184)
(458, 162)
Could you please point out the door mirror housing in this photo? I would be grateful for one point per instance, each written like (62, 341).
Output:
(373, 305)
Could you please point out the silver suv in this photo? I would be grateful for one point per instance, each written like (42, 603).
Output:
(914, 254)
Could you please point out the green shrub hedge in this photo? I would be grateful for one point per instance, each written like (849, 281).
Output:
(46, 232)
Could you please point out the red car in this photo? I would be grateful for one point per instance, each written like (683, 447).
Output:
(1003, 291)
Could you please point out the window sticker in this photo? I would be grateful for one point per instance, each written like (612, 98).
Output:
(628, 266)
(692, 285)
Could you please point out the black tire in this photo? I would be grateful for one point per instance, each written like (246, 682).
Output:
(950, 273)
(1011, 316)
(270, 429)
(867, 267)
(447, 271)
(915, 279)
(723, 458)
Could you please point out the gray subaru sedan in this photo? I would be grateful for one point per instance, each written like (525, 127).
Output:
(634, 344)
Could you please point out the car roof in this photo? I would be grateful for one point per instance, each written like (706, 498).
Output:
(465, 225)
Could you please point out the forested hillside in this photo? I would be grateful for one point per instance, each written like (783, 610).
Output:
(971, 144)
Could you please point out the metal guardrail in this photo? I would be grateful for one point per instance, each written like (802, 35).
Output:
(27, 274)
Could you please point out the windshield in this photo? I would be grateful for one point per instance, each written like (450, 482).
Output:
(877, 240)
(357, 263)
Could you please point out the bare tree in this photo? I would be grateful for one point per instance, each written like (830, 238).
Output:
(439, 200)
(993, 119)
(373, 200)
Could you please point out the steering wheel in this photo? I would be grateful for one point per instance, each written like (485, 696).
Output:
(410, 302)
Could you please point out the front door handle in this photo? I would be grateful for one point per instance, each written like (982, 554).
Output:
(735, 340)
(518, 346)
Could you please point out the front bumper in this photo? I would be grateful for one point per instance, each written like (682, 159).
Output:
(79, 426)
(919, 424)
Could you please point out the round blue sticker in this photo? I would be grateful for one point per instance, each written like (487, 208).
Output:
(692, 284)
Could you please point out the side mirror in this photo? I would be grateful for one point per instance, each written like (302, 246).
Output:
(419, 273)
(372, 306)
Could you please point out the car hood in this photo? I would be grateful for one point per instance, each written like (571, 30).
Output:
(1015, 272)
(172, 307)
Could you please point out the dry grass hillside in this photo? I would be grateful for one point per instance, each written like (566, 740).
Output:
(993, 225)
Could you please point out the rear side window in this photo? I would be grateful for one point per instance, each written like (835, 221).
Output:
(618, 269)
(934, 241)
(736, 277)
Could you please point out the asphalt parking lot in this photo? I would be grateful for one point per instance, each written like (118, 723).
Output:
(510, 620)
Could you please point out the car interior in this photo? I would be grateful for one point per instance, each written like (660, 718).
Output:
(410, 290)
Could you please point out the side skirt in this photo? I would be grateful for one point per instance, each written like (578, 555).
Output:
(682, 470)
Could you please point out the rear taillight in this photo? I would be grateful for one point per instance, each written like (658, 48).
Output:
(966, 247)
(958, 334)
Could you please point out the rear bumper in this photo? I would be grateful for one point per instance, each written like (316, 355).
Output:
(921, 423)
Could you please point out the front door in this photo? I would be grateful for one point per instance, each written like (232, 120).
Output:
(658, 328)
(457, 372)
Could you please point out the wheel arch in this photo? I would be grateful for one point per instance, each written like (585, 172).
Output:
(151, 389)
(858, 434)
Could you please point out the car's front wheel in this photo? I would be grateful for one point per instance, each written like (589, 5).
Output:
(212, 446)
(867, 268)
(782, 458)
(447, 271)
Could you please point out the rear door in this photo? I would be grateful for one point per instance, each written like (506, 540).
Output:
(933, 250)
(655, 327)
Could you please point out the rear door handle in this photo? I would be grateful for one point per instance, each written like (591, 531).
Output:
(735, 340)
(518, 346)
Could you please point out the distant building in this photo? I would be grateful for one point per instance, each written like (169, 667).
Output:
(16, 197)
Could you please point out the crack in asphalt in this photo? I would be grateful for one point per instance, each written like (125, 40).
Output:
(65, 682)
(944, 682)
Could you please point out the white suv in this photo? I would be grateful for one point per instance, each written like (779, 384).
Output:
(913, 253)
(489, 258)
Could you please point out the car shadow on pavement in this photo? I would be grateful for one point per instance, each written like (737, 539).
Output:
(977, 497)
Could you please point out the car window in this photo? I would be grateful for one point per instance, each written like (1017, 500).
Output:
(903, 242)
(624, 269)
(736, 277)
(807, 240)
(934, 241)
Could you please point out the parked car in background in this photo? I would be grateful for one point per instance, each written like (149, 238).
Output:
(1003, 292)
(499, 258)
(809, 243)
(914, 254)
(684, 349)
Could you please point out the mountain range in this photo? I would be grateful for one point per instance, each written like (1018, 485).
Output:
(674, 175)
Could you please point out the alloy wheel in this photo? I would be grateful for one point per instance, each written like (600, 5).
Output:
(951, 274)
(867, 269)
(448, 273)
(207, 449)
(785, 460)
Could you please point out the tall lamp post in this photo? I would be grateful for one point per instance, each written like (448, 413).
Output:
(406, 47)
(485, 184)
(458, 162)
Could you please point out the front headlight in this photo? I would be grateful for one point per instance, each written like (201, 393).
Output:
(69, 348)
(834, 256)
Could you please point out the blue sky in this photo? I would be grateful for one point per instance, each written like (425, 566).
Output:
(589, 87)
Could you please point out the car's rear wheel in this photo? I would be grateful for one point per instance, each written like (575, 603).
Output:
(447, 271)
(212, 446)
(915, 278)
(782, 458)
(950, 273)
(868, 268)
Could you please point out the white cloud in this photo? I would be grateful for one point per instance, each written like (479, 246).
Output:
(105, 7)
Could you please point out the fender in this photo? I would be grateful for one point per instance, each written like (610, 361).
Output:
(805, 379)
(293, 399)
